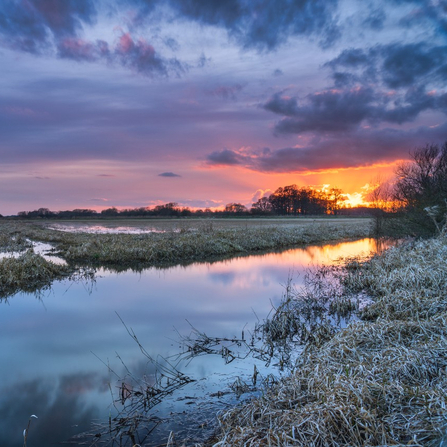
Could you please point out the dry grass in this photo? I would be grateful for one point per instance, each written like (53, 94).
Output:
(201, 242)
(377, 382)
(28, 273)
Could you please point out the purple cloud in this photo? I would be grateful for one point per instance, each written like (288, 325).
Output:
(31, 25)
(168, 174)
(225, 157)
(226, 91)
(364, 147)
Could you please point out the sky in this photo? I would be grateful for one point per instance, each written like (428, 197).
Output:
(135, 103)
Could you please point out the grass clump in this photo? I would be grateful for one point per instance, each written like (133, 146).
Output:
(27, 273)
(10, 242)
(381, 380)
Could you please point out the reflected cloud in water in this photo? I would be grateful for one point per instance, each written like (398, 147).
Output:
(61, 406)
(54, 338)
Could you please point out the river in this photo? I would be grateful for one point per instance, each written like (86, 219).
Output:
(54, 347)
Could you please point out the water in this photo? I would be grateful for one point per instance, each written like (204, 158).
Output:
(53, 350)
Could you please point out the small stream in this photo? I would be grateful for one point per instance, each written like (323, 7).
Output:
(61, 353)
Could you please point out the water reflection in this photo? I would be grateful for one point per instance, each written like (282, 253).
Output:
(104, 229)
(61, 409)
(47, 345)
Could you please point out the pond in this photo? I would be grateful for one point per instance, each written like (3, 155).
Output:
(60, 352)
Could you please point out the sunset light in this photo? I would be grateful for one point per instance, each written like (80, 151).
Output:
(223, 222)
(121, 104)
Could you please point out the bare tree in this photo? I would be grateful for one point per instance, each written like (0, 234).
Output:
(421, 188)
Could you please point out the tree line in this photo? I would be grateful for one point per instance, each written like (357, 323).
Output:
(285, 201)
(414, 202)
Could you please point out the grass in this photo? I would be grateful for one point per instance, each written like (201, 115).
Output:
(380, 381)
(27, 273)
(197, 242)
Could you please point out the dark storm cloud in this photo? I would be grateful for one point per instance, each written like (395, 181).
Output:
(39, 26)
(256, 23)
(30, 25)
(363, 147)
(168, 174)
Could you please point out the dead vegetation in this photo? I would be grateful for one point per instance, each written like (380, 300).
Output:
(199, 242)
(380, 381)
(31, 273)
(133, 422)
(28, 273)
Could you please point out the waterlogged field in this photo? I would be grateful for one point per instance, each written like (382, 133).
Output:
(136, 225)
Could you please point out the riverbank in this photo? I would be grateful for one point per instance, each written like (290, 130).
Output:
(380, 381)
(198, 241)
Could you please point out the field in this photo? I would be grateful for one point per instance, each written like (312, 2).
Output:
(179, 224)
(168, 242)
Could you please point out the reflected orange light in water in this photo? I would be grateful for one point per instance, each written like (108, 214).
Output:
(247, 272)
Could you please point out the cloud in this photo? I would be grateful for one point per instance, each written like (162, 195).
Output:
(168, 174)
(82, 50)
(225, 157)
(31, 25)
(138, 55)
(42, 26)
(261, 193)
(226, 91)
(49, 400)
(375, 20)
(426, 13)
(362, 147)
(361, 93)
(403, 65)
(278, 72)
(395, 65)
(257, 24)
(330, 110)
(99, 200)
